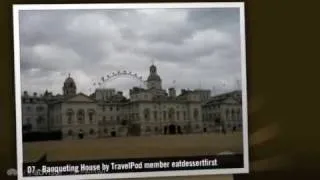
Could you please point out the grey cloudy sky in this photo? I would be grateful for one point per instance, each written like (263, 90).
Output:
(194, 47)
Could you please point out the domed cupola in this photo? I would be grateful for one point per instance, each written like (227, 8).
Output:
(154, 80)
(69, 87)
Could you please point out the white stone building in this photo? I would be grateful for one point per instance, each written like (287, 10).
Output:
(223, 112)
(149, 111)
(34, 113)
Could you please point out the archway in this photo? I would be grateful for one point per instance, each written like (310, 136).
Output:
(204, 129)
(172, 129)
(80, 135)
(113, 134)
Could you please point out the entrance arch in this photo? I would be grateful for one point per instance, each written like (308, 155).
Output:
(80, 135)
(113, 134)
(172, 129)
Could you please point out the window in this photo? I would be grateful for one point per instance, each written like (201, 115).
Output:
(105, 130)
(227, 114)
(29, 108)
(232, 115)
(196, 114)
(80, 116)
(117, 108)
(155, 115)
(40, 120)
(184, 115)
(69, 116)
(111, 108)
(178, 115)
(171, 114)
(156, 129)
(104, 119)
(164, 115)
(91, 116)
(118, 119)
(111, 118)
(146, 114)
(39, 108)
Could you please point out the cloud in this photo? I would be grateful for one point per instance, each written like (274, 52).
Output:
(194, 47)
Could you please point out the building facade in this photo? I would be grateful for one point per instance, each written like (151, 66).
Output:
(148, 111)
(223, 112)
(34, 113)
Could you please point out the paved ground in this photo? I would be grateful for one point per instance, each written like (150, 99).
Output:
(134, 147)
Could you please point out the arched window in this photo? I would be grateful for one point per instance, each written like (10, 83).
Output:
(80, 116)
(155, 115)
(171, 114)
(146, 114)
(70, 116)
(91, 114)
(196, 114)
(164, 115)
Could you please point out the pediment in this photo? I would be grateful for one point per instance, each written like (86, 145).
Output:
(230, 100)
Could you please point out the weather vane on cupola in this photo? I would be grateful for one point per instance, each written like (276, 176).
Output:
(152, 61)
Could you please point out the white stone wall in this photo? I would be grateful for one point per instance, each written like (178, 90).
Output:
(35, 114)
(156, 126)
(110, 117)
(230, 120)
(88, 127)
